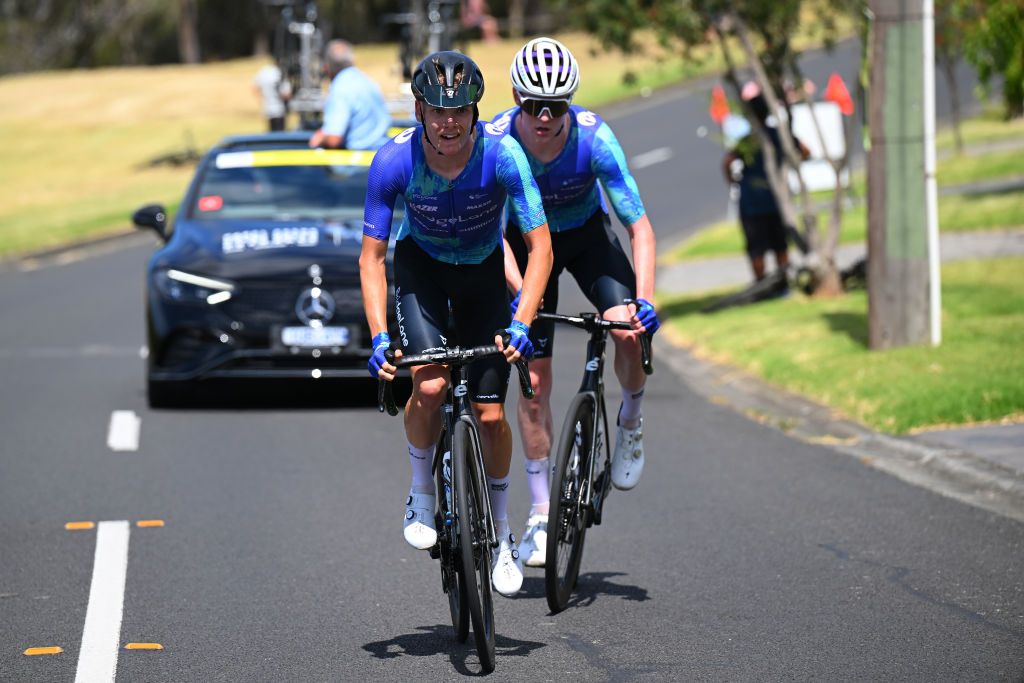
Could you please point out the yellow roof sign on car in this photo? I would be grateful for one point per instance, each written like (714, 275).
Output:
(295, 157)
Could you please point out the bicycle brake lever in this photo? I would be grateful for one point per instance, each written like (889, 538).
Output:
(646, 354)
(385, 396)
(525, 385)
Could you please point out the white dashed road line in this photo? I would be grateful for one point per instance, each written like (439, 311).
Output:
(123, 434)
(101, 637)
(655, 156)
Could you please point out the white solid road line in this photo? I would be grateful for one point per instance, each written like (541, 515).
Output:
(101, 637)
(655, 156)
(123, 434)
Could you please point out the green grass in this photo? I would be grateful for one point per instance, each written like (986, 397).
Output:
(818, 348)
(957, 213)
(978, 167)
(73, 143)
(985, 129)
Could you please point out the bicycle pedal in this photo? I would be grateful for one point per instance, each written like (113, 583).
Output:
(435, 551)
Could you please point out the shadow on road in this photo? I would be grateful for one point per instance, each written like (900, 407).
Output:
(283, 394)
(430, 641)
(592, 585)
(589, 587)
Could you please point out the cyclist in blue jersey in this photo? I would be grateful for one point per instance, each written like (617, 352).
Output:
(570, 149)
(455, 178)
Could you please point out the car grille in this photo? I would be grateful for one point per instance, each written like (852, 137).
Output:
(262, 305)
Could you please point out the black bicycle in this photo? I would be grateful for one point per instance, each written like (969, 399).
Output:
(580, 483)
(465, 527)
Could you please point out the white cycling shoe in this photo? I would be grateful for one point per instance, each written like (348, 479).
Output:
(506, 569)
(628, 461)
(534, 548)
(419, 520)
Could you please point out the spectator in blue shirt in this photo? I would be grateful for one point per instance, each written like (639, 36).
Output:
(355, 116)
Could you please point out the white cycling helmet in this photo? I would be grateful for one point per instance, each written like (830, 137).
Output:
(545, 68)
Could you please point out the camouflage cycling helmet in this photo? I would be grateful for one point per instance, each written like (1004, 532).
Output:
(545, 68)
(448, 80)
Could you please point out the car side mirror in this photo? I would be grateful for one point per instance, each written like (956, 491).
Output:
(154, 217)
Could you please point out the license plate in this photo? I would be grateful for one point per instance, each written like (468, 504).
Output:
(314, 336)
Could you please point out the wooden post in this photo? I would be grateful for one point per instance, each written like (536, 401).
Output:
(900, 281)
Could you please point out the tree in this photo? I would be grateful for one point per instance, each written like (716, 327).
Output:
(769, 24)
(994, 44)
(188, 31)
(949, 30)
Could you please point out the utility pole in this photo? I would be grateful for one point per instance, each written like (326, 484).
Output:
(903, 251)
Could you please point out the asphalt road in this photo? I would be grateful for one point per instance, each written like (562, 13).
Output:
(742, 555)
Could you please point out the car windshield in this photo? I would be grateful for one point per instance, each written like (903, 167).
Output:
(234, 187)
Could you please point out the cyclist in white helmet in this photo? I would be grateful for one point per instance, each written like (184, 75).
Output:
(569, 149)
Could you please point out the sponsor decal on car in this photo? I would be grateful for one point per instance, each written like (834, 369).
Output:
(278, 238)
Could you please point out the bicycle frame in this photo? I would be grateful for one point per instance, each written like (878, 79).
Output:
(457, 406)
(593, 383)
(593, 378)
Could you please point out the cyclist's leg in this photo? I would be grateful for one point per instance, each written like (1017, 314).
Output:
(480, 307)
(535, 416)
(606, 276)
(421, 308)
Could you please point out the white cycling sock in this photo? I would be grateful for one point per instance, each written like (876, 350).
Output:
(630, 412)
(420, 459)
(540, 493)
(497, 490)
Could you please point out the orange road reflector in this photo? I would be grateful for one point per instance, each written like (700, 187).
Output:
(79, 526)
(33, 651)
(144, 523)
(143, 646)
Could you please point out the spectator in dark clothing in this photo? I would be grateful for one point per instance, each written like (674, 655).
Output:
(764, 227)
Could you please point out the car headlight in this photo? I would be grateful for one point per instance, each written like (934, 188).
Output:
(177, 285)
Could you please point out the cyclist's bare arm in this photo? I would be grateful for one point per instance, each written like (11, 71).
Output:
(513, 278)
(374, 283)
(643, 243)
(538, 268)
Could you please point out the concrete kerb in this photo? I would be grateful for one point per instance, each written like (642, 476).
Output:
(949, 472)
(76, 251)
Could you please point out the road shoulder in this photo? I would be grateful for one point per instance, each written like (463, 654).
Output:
(952, 472)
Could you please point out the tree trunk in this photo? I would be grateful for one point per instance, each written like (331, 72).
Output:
(516, 18)
(948, 66)
(824, 267)
(188, 32)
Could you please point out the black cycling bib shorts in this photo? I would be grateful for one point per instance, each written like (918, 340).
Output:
(594, 257)
(440, 304)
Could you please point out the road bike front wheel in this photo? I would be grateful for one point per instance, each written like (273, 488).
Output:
(567, 525)
(452, 579)
(475, 550)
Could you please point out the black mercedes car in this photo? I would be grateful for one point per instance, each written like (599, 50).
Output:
(259, 273)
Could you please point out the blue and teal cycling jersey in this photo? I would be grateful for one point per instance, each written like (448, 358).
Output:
(568, 184)
(455, 221)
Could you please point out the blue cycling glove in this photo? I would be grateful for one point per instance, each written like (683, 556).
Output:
(647, 316)
(380, 344)
(514, 304)
(520, 338)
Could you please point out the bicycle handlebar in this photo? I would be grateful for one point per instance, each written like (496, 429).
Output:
(455, 356)
(592, 321)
